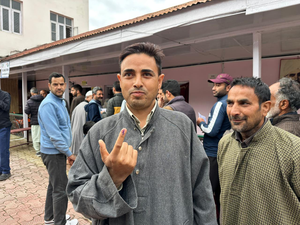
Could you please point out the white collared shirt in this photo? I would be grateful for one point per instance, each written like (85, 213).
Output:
(138, 122)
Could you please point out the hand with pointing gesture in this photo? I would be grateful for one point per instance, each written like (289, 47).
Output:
(121, 161)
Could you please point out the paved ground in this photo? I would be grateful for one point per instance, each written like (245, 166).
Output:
(22, 196)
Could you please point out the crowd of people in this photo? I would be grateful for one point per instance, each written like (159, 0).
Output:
(140, 161)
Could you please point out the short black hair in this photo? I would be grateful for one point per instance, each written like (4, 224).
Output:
(147, 48)
(172, 86)
(117, 86)
(56, 75)
(163, 85)
(261, 89)
(77, 87)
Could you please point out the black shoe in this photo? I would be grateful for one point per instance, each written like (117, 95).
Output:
(38, 154)
(4, 176)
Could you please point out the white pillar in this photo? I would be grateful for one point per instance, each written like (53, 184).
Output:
(24, 100)
(257, 54)
(65, 72)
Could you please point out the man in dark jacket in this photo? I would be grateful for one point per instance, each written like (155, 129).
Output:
(215, 128)
(76, 91)
(285, 96)
(176, 102)
(93, 109)
(5, 126)
(31, 108)
(114, 104)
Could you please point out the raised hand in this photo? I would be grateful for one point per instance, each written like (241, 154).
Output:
(122, 159)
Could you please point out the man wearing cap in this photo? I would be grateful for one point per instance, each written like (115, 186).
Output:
(213, 131)
(78, 119)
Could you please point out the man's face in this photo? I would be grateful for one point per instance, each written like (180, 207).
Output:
(220, 90)
(99, 95)
(275, 110)
(165, 97)
(244, 112)
(160, 93)
(140, 81)
(57, 86)
(42, 93)
(89, 98)
(73, 92)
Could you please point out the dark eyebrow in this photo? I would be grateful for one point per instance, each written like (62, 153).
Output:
(147, 70)
(239, 100)
(128, 70)
(243, 100)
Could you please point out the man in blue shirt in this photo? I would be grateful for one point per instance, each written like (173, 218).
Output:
(56, 139)
(213, 131)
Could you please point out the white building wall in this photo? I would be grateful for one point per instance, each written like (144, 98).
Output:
(36, 25)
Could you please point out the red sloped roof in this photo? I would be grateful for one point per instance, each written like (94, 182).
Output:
(105, 29)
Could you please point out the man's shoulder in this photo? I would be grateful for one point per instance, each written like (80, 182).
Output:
(116, 97)
(220, 105)
(108, 123)
(111, 99)
(4, 93)
(227, 138)
(29, 100)
(49, 102)
(175, 117)
(189, 106)
(79, 98)
(283, 135)
(168, 113)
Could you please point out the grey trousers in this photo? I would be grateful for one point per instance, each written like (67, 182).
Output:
(56, 199)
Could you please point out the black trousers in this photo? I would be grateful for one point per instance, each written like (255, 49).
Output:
(214, 179)
(56, 199)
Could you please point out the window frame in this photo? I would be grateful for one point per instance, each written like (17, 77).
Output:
(13, 21)
(58, 25)
(11, 18)
(52, 22)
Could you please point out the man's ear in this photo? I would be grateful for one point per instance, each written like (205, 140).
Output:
(160, 80)
(284, 104)
(228, 87)
(265, 107)
(49, 85)
(168, 93)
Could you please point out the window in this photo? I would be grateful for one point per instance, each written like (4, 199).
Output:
(61, 27)
(10, 16)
